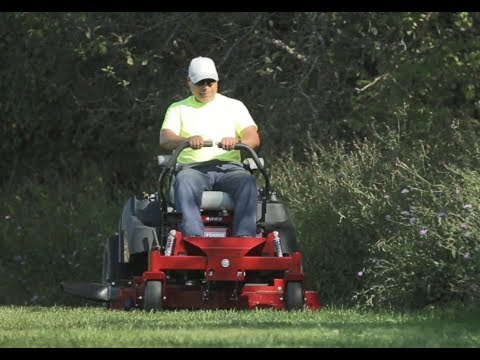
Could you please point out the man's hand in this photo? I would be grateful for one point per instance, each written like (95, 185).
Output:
(228, 143)
(195, 142)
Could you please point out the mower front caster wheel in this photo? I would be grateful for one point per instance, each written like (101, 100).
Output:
(294, 296)
(153, 295)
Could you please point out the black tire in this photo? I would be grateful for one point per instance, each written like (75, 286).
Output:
(153, 295)
(294, 297)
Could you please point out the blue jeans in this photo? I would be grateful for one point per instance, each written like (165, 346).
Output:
(229, 177)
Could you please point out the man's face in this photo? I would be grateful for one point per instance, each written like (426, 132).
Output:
(204, 90)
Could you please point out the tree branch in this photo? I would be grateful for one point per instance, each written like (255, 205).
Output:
(381, 77)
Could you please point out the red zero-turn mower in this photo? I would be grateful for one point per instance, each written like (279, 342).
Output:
(150, 265)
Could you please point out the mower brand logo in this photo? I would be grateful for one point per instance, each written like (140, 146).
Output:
(225, 263)
(214, 234)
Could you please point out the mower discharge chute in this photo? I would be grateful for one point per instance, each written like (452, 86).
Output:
(150, 265)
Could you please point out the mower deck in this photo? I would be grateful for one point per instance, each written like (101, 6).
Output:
(198, 296)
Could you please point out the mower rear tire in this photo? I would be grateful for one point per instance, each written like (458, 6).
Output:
(153, 295)
(294, 296)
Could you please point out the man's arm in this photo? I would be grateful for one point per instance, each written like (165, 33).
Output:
(170, 141)
(249, 136)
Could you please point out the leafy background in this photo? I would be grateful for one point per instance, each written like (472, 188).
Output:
(369, 122)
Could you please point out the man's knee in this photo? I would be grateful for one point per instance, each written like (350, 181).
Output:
(248, 180)
(187, 178)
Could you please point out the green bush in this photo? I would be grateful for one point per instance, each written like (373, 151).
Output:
(51, 233)
(382, 226)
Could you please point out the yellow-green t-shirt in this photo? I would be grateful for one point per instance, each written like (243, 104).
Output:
(219, 118)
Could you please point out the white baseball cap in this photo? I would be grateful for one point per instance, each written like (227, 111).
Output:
(202, 68)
